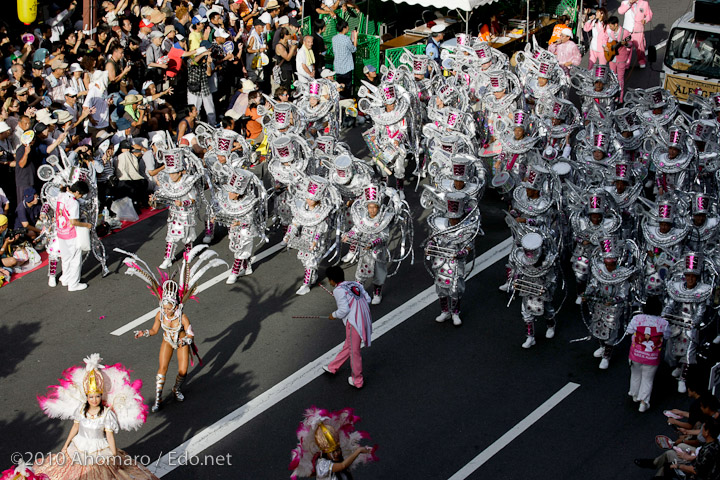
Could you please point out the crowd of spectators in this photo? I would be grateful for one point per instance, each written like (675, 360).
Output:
(150, 71)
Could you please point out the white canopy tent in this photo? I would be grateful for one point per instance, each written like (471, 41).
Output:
(463, 5)
(466, 6)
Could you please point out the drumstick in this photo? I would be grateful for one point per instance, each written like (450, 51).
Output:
(323, 287)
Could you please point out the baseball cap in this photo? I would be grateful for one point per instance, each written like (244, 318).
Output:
(155, 34)
(29, 194)
(75, 67)
(284, 20)
(58, 64)
(4, 127)
(198, 19)
(566, 31)
(146, 23)
(3, 220)
(21, 91)
(221, 33)
(179, 37)
(38, 65)
(71, 91)
(39, 127)
(369, 68)
(125, 144)
(265, 18)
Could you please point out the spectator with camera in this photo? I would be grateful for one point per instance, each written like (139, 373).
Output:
(285, 52)
(198, 88)
(136, 113)
(7, 240)
(117, 70)
(131, 182)
(27, 213)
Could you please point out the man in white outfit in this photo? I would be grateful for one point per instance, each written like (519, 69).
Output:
(67, 218)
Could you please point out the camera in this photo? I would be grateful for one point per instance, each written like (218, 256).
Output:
(22, 231)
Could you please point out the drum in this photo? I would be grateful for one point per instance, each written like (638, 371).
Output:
(562, 169)
(503, 182)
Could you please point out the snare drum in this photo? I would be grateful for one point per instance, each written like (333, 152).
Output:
(503, 182)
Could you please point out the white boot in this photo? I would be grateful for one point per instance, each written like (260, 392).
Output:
(52, 281)
(456, 320)
(248, 268)
(207, 239)
(676, 373)
(505, 287)
(376, 300)
(604, 364)
(348, 257)
(682, 388)
(643, 407)
(529, 342)
(550, 332)
(442, 317)
(303, 290)
(578, 300)
(598, 353)
(167, 263)
(716, 340)
(232, 278)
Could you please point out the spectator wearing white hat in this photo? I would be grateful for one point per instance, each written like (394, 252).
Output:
(240, 103)
(169, 40)
(162, 114)
(153, 54)
(6, 151)
(76, 80)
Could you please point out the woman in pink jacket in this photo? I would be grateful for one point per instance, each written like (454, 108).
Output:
(596, 24)
(637, 14)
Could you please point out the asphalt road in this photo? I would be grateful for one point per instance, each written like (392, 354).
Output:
(435, 397)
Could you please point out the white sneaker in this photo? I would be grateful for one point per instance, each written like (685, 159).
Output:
(604, 364)
(442, 317)
(348, 257)
(167, 263)
(207, 239)
(578, 300)
(676, 373)
(682, 388)
(456, 320)
(598, 353)
(550, 332)
(248, 269)
(643, 407)
(634, 397)
(505, 287)
(529, 342)
(716, 340)
(642, 65)
(303, 290)
(52, 281)
(376, 300)
(232, 278)
(78, 287)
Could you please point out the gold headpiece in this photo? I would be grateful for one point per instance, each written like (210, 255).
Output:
(93, 382)
(326, 438)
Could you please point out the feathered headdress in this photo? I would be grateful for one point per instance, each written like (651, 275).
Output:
(120, 393)
(340, 423)
(189, 274)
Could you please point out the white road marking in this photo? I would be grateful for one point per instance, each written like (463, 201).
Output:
(214, 281)
(515, 432)
(236, 419)
(661, 45)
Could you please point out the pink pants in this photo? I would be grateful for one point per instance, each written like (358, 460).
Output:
(638, 44)
(596, 57)
(618, 65)
(351, 349)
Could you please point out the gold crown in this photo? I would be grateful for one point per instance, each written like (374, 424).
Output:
(93, 382)
(326, 438)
